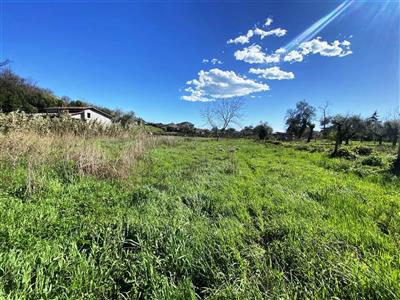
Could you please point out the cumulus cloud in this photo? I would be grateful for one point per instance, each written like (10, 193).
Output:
(318, 46)
(293, 56)
(254, 55)
(219, 84)
(245, 38)
(242, 39)
(272, 73)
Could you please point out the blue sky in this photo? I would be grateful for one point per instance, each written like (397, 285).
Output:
(140, 55)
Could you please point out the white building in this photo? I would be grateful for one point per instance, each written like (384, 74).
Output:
(86, 114)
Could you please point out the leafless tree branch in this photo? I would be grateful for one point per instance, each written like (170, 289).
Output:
(222, 114)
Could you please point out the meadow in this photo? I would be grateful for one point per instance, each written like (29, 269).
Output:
(145, 217)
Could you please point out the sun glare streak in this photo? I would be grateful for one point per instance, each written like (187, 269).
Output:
(315, 28)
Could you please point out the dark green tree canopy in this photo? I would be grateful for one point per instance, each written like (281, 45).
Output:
(17, 93)
(263, 131)
(298, 119)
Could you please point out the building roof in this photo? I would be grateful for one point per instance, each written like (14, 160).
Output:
(75, 110)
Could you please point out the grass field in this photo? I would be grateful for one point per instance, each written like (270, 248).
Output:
(233, 219)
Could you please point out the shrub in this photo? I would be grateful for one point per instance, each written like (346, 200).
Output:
(363, 150)
(278, 143)
(302, 148)
(374, 161)
(345, 153)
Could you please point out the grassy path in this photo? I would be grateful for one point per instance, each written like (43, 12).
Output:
(206, 219)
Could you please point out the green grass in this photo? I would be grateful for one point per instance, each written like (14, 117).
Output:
(203, 219)
(153, 129)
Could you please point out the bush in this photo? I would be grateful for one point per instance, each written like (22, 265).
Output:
(263, 131)
(345, 153)
(363, 150)
(374, 161)
(302, 148)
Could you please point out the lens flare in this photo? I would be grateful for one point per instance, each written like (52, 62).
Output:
(315, 28)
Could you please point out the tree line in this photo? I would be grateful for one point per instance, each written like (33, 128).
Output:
(301, 122)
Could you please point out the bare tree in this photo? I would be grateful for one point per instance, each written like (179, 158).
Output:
(325, 118)
(222, 114)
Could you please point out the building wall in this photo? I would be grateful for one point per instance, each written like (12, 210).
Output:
(78, 116)
(94, 116)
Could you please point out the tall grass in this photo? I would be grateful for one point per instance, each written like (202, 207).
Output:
(202, 220)
(42, 145)
(62, 125)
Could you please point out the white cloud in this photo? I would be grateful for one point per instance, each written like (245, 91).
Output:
(254, 55)
(280, 51)
(215, 61)
(268, 22)
(272, 73)
(219, 84)
(242, 39)
(277, 32)
(318, 46)
(293, 56)
(346, 43)
(245, 38)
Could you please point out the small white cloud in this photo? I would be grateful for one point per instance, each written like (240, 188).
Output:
(219, 84)
(318, 46)
(293, 56)
(215, 61)
(277, 32)
(346, 43)
(245, 38)
(242, 39)
(272, 73)
(254, 55)
(280, 51)
(268, 22)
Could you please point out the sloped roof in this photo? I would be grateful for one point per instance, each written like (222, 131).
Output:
(75, 110)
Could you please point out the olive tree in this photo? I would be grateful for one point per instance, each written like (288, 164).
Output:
(346, 128)
(263, 131)
(391, 130)
(396, 165)
(300, 118)
(375, 128)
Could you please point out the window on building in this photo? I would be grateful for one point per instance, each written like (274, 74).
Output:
(88, 115)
